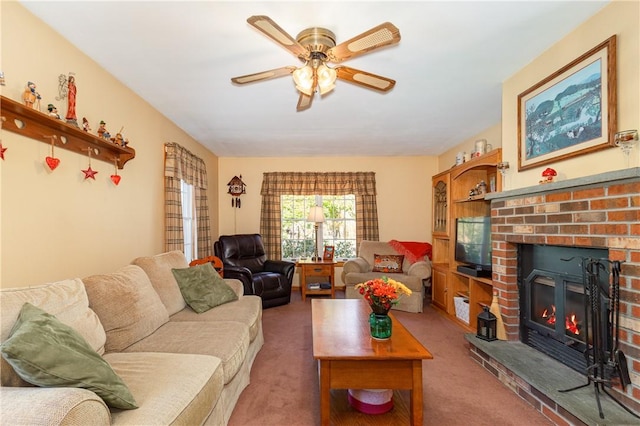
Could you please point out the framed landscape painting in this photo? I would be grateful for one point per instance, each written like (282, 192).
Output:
(571, 112)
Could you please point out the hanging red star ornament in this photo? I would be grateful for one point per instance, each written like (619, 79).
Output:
(2, 150)
(89, 172)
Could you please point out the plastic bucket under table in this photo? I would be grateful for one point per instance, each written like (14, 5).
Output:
(371, 401)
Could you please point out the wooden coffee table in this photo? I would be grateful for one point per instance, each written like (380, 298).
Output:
(350, 359)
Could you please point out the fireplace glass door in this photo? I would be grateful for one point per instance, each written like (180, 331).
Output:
(557, 305)
(555, 312)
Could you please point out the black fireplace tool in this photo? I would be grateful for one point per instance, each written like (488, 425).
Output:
(618, 358)
(599, 360)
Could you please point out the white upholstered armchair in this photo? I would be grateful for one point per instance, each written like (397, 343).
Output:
(415, 271)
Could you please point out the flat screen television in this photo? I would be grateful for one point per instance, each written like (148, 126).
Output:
(473, 245)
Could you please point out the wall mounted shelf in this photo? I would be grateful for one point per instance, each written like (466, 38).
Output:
(18, 118)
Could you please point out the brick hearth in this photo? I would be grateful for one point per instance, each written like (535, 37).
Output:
(601, 211)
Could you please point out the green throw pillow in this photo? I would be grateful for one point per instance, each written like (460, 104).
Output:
(202, 287)
(45, 352)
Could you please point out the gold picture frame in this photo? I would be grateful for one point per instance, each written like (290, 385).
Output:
(571, 112)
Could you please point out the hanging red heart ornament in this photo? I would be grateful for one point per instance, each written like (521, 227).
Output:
(115, 178)
(52, 162)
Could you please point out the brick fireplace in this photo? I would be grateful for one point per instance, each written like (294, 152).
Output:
(601, 211)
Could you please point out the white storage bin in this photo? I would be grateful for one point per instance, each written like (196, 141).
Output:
(462, 308)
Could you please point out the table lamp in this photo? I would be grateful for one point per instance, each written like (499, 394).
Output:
(316, 216)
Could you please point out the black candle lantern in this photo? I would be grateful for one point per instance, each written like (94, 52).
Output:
(487, 324)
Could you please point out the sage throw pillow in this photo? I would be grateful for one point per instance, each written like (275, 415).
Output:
(45, 352)
(202, 288)
(391, 263)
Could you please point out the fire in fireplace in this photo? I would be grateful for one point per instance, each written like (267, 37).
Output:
(553, 302)
(572, 325)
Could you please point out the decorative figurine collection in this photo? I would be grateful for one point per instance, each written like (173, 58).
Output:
(67, 89)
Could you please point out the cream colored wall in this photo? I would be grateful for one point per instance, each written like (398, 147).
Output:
(493, 135)
(403, 185)
(57, 225)
(619, 17)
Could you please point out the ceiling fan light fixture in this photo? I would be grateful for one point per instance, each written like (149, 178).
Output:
(326, 78)
(303, 78)
(308, 77)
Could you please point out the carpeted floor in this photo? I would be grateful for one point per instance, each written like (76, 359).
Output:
(457, 391)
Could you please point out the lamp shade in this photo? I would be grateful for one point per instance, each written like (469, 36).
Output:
(303, 78)
(317, 74)
(316, 215)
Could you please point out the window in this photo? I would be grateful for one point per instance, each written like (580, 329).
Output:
(338, 229)
(189, 225)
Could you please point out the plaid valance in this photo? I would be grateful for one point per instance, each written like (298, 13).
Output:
(312, 183)
(181, 164)
(276, 184)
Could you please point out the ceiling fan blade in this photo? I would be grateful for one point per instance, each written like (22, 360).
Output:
(363, 78)
(382, 35)
(277, 34)
(264, 75)
(304, 102)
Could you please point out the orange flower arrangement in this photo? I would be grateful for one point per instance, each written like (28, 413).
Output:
(382, 293)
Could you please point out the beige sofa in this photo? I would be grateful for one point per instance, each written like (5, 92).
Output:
(181, 367)
(414, 275)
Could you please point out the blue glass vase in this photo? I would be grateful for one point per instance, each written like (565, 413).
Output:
(380, 325)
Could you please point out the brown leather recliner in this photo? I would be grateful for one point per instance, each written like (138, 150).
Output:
(244, 259)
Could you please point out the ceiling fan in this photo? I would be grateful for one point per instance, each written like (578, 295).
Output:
(316, 47)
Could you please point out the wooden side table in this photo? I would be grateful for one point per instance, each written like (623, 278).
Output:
(325, 270)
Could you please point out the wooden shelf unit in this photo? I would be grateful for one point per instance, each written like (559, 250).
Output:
(457, 183)
(31, 123)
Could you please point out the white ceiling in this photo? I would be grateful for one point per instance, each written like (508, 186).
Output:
(449, 67)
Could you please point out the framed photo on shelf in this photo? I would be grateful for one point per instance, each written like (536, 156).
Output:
(328, 253)
(571, 112)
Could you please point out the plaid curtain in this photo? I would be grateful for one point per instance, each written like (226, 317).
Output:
(181, 164)
(275, 184)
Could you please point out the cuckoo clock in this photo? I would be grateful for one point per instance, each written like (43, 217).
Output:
(236, 189)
